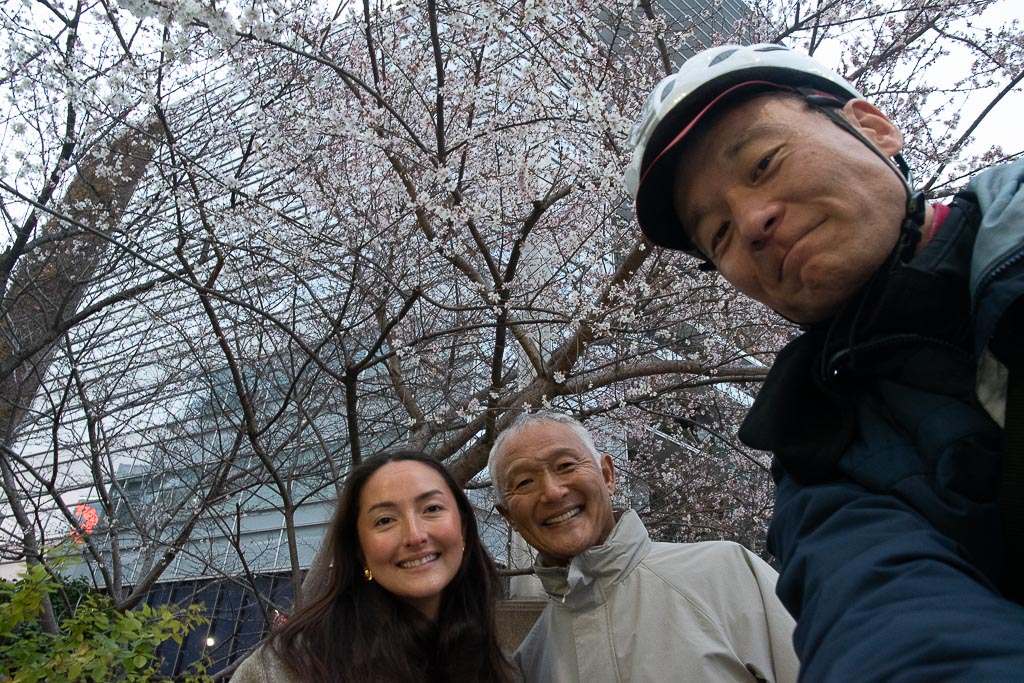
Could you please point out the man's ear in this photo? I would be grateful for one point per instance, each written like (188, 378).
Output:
(874, 125)
(608, 473)
(503, 511)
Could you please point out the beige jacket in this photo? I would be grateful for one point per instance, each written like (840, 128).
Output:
(633, 610)
(262, 666)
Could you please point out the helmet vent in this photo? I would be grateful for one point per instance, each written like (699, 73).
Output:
(721, 57)
(771, 48)
(667, 89)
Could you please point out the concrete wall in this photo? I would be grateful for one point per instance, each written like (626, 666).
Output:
(515, 619)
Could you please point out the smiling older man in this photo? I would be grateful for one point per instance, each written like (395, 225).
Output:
(624, 608)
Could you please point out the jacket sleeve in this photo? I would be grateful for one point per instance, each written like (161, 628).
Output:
(778, 623)
(881, 595)
(759, 628)
(735, 589)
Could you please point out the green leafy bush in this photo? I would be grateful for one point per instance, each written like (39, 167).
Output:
(95, 643)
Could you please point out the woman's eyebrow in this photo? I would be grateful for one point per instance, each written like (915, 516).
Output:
(420, 498)
(382, 504)
(433, 493)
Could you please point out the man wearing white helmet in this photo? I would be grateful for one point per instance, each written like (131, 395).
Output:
(885, 416)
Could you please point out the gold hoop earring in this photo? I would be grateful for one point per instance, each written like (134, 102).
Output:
(367, 574)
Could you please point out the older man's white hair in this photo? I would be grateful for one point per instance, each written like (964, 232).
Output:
(519, 424)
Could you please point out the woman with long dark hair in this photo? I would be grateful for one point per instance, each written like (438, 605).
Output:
(410, 594)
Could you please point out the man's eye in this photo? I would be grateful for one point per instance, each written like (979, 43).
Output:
(719, 235)
(764, 163)
(522, 483)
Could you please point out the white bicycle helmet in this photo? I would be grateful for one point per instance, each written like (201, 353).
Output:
(679, 101)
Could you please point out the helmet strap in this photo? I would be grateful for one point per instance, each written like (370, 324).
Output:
(910, 229)
(913, 220)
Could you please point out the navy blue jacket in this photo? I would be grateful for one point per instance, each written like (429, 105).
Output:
(886, 464)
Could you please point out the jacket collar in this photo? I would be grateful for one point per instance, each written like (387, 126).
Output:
(591, 575)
